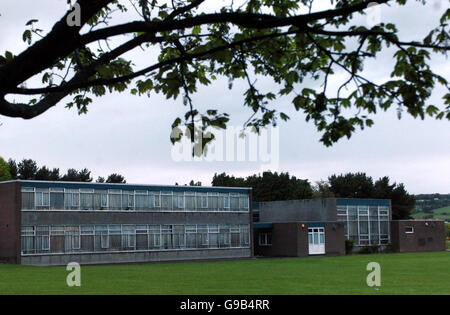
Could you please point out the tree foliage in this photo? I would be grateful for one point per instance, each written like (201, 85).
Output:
(116, 178)
(43, 173)
(268, 186)
(297, 46)
(4, 170)
(73, 175)
(28, 169)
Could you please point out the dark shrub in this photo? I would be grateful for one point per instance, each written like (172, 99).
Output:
(348, 247)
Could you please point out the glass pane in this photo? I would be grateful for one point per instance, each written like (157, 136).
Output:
(316, 238)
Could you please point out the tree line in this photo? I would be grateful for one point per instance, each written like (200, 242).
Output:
(281, 186)
(28, 169)
(267, 186)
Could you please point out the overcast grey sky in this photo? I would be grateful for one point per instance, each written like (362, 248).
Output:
(130, 135)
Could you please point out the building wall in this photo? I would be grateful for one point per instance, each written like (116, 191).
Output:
(285, 240)
(12, 219)
(428, 236)
(135, 257)
(298, 210)
(334, 239)
(10, 222)
(291, 240)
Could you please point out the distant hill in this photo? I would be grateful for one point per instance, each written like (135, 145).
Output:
(432, 206)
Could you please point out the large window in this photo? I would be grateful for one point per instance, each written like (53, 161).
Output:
(42, 198)
(86, 199)
(365, 225)
(131, 200)
(101, 238)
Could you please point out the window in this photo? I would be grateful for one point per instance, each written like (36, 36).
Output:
(409, 229)
(104, 200)
(224, 236)
(191, 234)
(189, 199)
(178, 201)
(42, 238)
(27, 198)
(86, 199)
(157, 199)
(213, 236)
(204, 200)
(105, 240)
(226, 202)
(243, 202)
(128, 236)
(234, 203)
(127, 200)
(142, 200)
(100, 199)
(342, 210)
(115, 199)
(28, 236)
(72, 199)
(265, 239)
(57, 198)
(213, 201)
(154, 240)
(166, 201)
(42, 198)
(363, 210)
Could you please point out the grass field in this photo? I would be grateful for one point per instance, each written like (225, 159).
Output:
(441, 213)
(424, 273)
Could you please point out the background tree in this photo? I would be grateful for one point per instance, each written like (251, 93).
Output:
(73, 175)
(44, 173)
(300, 48)
(359, 185)
(13, 169)
(352, 185)
(322, 190)
(100, 179)
(4, 170)
(116, 178)
(192, 183)
(27, 169)
(268, 186)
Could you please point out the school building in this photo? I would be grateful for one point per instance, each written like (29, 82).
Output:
(54, 223)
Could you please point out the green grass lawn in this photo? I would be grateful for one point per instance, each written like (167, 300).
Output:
(418, 273)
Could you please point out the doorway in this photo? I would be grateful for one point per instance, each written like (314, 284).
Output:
(316, 240)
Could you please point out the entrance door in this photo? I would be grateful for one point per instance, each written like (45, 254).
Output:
(316, 238)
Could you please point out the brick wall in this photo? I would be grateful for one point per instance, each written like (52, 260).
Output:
(428, 236)
(334, 238)
(10, 217)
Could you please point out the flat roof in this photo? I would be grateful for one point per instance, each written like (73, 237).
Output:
(339, 201)
(69, 185)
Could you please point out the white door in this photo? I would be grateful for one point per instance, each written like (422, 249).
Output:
(316, 240)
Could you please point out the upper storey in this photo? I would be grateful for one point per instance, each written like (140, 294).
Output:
(46, 195)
